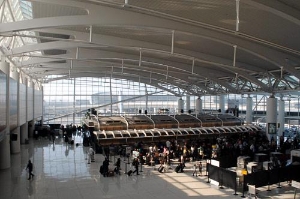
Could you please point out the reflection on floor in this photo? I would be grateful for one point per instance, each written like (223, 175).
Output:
(61, 171)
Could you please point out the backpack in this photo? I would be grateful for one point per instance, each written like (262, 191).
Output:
(134, 163)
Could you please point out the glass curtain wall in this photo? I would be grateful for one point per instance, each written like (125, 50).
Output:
(67, 101)
(63, 98)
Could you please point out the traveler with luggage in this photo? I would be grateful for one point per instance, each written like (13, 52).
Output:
(105, 167)
(195, 170)
(118, 165)
(91, 155)
(135, 163)
(200, 168)
(30, 168)
(179, 167)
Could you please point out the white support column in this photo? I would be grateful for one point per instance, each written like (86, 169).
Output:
(180, 105)
(222, 103)
(110, 93)
(24, 133)
(4, 144)
(271, 118)
(188, 102)
(15, 141)
(74, 100)
(146, 108)
(5, 153)
(281, 113)
(198, 106)
(249, 113)
(120, 102)
(91, 34)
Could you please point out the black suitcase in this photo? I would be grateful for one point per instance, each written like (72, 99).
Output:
(160, 169)
(177, 169)
(129, 173)
(101, 169)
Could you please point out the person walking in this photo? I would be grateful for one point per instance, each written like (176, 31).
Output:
(200, 168)
(105, 167)
(118, 165)
(30, 169)
(52, 136)
(195, 170)
(135, 163)
(91, 155)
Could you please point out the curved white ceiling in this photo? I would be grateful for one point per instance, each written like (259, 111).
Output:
(196, 46)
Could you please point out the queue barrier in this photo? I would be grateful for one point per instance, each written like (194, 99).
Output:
(228, 178)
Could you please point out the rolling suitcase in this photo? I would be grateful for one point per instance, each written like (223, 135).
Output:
(101, 169)
(111, 173)
(129, 173)
(161, 169)
(177, 169)
(66, 138)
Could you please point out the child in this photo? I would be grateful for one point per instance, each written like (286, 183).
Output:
(195, 170)
(200, 168)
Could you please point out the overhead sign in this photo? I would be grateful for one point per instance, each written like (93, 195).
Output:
(272, 128)
(128, 150)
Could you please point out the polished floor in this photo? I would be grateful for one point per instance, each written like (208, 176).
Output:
(62, 171)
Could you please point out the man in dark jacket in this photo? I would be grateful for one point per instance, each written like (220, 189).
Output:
(105, 167)
(30, 168)
(135, 163)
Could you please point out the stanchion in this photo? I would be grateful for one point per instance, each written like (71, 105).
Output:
(141, 168)
(268, 180)
(235, 187)
(127, 163)
(206, 172)
(279, 186)
(125, 167)
(243, 193)
(221, 181)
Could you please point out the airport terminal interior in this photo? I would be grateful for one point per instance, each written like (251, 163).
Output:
(149, 99)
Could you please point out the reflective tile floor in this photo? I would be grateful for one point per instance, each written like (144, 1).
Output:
(61, 171)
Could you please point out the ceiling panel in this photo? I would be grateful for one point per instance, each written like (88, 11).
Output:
(195, 42)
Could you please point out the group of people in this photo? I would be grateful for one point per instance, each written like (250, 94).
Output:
(104, 168)
(196, 168)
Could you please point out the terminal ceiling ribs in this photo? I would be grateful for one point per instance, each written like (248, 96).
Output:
(203, 47)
